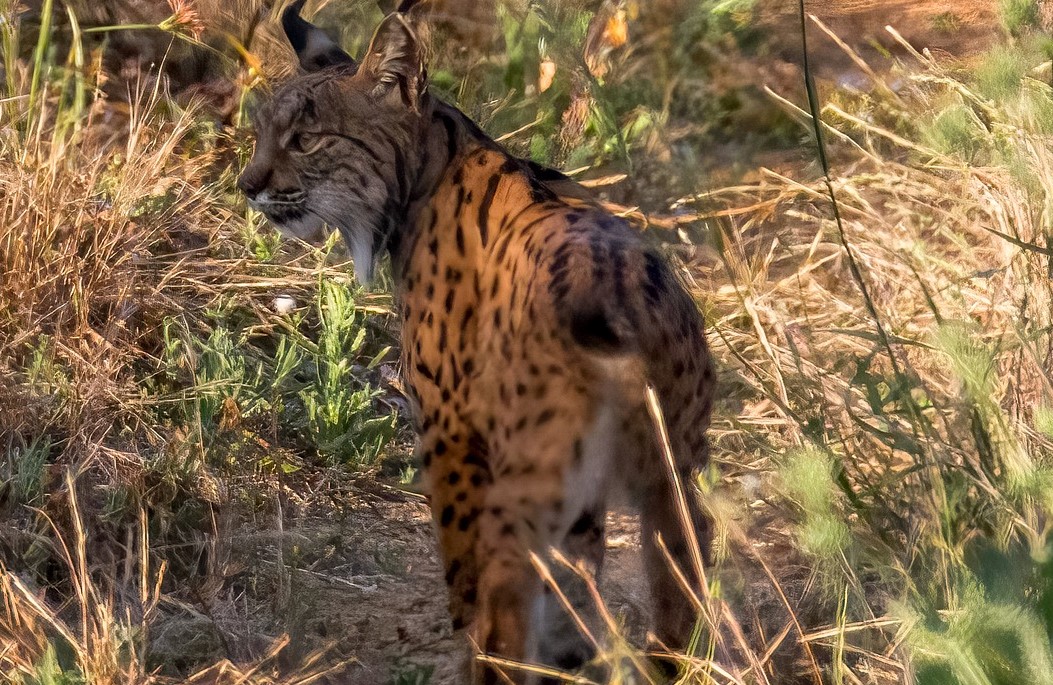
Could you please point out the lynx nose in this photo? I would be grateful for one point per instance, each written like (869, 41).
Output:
(252, 181)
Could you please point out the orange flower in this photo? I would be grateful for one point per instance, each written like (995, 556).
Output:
(546, 74)
(616, 32)
(607, 32)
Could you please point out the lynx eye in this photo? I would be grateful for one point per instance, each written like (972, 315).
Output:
(305, 143)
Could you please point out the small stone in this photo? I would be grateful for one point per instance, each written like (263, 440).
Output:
(283, 304)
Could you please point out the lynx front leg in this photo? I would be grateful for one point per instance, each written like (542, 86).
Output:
(518, 617)
(459, 479)
(508, 586)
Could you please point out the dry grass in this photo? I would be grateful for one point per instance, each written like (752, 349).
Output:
(116, 229)
(103, 632)
(932, 443)
(906, 454)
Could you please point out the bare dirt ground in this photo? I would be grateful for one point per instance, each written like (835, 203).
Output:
(950, 31)
(363, 581)
(961, 28)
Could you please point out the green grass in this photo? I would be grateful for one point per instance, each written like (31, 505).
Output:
(946, 23)
(1019, 16)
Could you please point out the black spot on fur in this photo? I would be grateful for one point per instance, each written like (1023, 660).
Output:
(425, 371)
(465, 522)
(451, 135)
(592, 329)
(459, 235)
(656, 283)
(585, 523)
(484, 208)
(475, 460)
(469, 312)
(452, 571)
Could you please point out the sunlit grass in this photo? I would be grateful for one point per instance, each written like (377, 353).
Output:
(1019, 16)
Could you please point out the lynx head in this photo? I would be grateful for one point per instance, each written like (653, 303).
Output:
(339, 144)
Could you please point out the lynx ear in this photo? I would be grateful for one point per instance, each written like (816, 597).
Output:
(388, 6)
(396, 59)
(313, 47)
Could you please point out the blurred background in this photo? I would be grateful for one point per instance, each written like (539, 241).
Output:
(206, 474)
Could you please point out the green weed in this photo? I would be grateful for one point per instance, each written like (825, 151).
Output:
(30, 463)
(412, 674)
(338, 405)
(957, 131)
(1019, 16)
(946, 22)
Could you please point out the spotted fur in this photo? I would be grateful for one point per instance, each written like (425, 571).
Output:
(532, 321)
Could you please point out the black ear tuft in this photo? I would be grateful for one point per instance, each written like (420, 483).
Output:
(313, 47)
(388, 6)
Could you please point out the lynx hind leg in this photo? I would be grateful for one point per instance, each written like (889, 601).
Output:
(520, 618)
(657, 500)
(507, 588)
(660, 516)
(581, 538)
(560, 641)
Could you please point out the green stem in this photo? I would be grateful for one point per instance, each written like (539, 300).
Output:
(121, 27)
(162, 27)
(38, 53)
(853, 264)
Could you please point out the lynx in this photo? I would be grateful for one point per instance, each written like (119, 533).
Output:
(532, 322)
